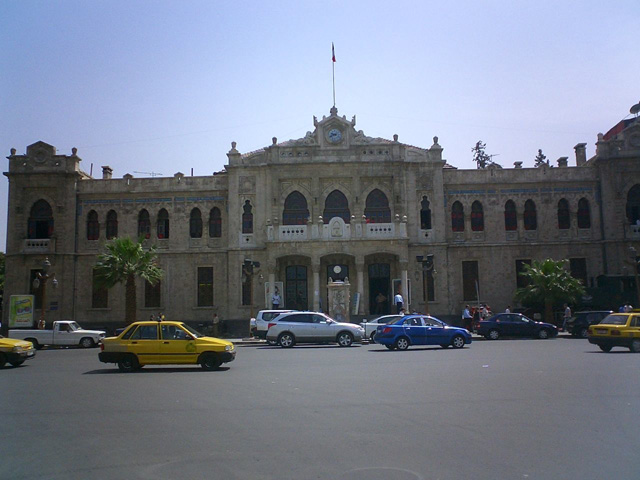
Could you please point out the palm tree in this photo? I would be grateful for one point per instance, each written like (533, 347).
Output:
(123, 261)
(549, 283)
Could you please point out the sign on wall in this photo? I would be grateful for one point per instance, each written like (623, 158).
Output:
(21, 311)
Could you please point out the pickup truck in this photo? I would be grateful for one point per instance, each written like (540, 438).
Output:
(65, 333)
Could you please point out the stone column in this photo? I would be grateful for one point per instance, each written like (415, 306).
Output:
(272, 286)
(316, 287)
(404, 276)
(360, 283)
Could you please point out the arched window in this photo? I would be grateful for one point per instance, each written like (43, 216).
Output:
(633, 205)
(195, 223)
(530, 216)
(564, 217)
(93, 227)
(477, 217)
(215, 223)
(163, 224)
(247, 217)
(144, 224)
(377, 207)
(457, 217)
(336, 205)
(425, 214)
(40, 220)
(112, 224)
(584, 213)
(510, 216)
(295, 211)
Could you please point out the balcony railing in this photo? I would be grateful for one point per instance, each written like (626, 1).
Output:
(39, 245)
(336, 229)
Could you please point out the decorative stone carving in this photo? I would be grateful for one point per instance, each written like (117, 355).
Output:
(246, 184)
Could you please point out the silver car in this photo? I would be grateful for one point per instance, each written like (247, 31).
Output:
(312, 327)
(371, 327)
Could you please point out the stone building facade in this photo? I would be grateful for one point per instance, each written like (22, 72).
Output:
(334, 205)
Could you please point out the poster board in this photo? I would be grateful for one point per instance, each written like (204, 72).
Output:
(355, 303)
(268, 293)
(21, 311)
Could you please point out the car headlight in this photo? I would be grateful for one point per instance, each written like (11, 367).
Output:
(229, 348)
(17, 350)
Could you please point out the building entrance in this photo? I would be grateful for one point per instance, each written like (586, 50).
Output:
(379, 288)
(296, 288)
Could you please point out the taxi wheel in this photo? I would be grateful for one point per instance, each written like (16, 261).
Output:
(345, 339)
(210, 361)
(605, 348)
(3, 360)
(458, 341)
(17, 364)
(128, 363)
(635, 346)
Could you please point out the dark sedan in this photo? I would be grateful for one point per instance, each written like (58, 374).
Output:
(514, 325)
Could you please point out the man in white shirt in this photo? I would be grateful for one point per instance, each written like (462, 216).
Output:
(398, 300)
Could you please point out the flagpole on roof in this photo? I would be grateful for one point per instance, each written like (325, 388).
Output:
(333, 64)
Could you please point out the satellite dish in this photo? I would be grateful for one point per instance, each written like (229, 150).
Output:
(635, 109)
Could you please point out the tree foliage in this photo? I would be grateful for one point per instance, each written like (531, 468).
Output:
(480, 155)
(549, 284)
(123, 261)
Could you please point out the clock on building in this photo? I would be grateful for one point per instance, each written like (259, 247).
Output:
(335, 135)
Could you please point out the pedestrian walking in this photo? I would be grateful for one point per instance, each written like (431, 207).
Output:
(399, 301)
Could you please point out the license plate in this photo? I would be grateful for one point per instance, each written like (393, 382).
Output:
(601, 331)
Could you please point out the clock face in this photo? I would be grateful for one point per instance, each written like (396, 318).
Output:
(335, 135)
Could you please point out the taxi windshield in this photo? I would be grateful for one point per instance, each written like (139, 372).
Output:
(192, 331)
(614, 320)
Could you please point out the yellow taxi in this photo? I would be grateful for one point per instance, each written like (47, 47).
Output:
(15, 351)
(164, 343)
(617, 330)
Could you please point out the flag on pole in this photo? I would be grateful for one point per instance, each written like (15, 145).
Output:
(333, 53)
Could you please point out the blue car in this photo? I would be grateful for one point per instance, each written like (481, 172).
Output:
(421, 330)
(514, 325)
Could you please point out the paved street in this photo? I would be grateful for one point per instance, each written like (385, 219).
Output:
(510, 409)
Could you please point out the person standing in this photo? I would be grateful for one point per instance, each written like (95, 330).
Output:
(398, 300)
(215, 324)
(467, 318)
(566, 316)
(275, 299)
(508, 309)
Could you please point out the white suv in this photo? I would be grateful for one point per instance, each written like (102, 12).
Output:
(261, 324)
(312, 327)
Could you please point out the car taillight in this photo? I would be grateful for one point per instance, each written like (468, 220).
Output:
(270, 325)
(386, 330)
(615, 332)
(101, 347)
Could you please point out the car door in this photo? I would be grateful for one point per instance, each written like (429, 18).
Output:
(144, 343)
(302, 326)
(519, 326)
(176, 346)
(323, 330)
(414, 329)
(436, 333)
(63, 334)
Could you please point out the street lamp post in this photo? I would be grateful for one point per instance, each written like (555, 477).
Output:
(427, 266)
(41, 282)
(249, 269)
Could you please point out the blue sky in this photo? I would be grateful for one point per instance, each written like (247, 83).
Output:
(166, 86)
